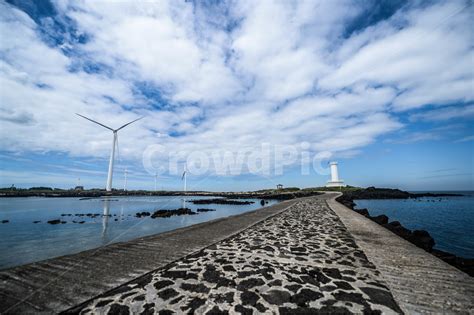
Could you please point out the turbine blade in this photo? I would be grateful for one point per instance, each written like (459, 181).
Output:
(94, 121)
(128, 124)
(184, 173)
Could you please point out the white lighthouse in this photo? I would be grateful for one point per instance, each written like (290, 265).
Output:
(335, 181)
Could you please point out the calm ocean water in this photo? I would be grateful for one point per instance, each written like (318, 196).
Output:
(449, 220)
(23, 241)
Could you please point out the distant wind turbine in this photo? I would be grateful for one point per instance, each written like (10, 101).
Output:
(184, 177)
(114, 144)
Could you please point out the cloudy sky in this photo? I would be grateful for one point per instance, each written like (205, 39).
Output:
(385, 87)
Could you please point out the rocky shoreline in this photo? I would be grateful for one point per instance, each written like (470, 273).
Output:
(420, 238)
(387, 193)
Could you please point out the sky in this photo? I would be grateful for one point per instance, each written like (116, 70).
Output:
(246, 94)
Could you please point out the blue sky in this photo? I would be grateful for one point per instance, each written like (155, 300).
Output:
(384, 87)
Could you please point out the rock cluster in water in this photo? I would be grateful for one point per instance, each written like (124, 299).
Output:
(57, 221)
(169, 213)
(221, 201)
(205, 210)
(162, 213)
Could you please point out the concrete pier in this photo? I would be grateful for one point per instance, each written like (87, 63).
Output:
(308, 254)
(419, 281)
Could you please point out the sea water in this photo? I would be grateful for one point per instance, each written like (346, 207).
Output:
(23, 241)
(449, 220)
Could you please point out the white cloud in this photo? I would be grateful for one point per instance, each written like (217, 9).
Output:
(465, 139)
(429, 61)
(445, 113)
(275, 72)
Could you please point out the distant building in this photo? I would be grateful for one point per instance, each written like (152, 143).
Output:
(335, 181)
(80, 188)
(279, 186)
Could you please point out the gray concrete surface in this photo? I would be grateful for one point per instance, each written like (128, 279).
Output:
(419, 281)
(57, 284)
(300, 261)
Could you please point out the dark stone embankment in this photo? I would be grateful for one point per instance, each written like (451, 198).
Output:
(420, 238)
(387, 193)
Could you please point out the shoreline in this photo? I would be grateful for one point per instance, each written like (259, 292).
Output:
(420, 282)
(277, 195)
(280, 194)
(420, 238)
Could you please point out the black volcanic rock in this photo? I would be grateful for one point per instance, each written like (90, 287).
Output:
(220, 201)
(205, 210)
(57, 221)
(423, 239)
(398, 229)
(5, 221)
(363, 212)
(169, 213)
(142, 214)
(380, 219)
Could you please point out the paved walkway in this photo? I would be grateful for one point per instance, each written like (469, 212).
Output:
(301, 260)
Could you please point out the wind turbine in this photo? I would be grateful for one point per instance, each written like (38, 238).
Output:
(114, 143)
(184, 177)
(156, 178)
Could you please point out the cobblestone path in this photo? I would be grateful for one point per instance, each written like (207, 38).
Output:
(300, 261)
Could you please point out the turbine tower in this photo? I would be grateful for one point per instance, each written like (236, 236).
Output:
(184, 177)
(114, 144)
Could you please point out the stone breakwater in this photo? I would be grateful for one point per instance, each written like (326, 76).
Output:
(420, 238)
(302, 260)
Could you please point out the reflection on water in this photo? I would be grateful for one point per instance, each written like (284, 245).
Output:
(105, 220)
(110, 220)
